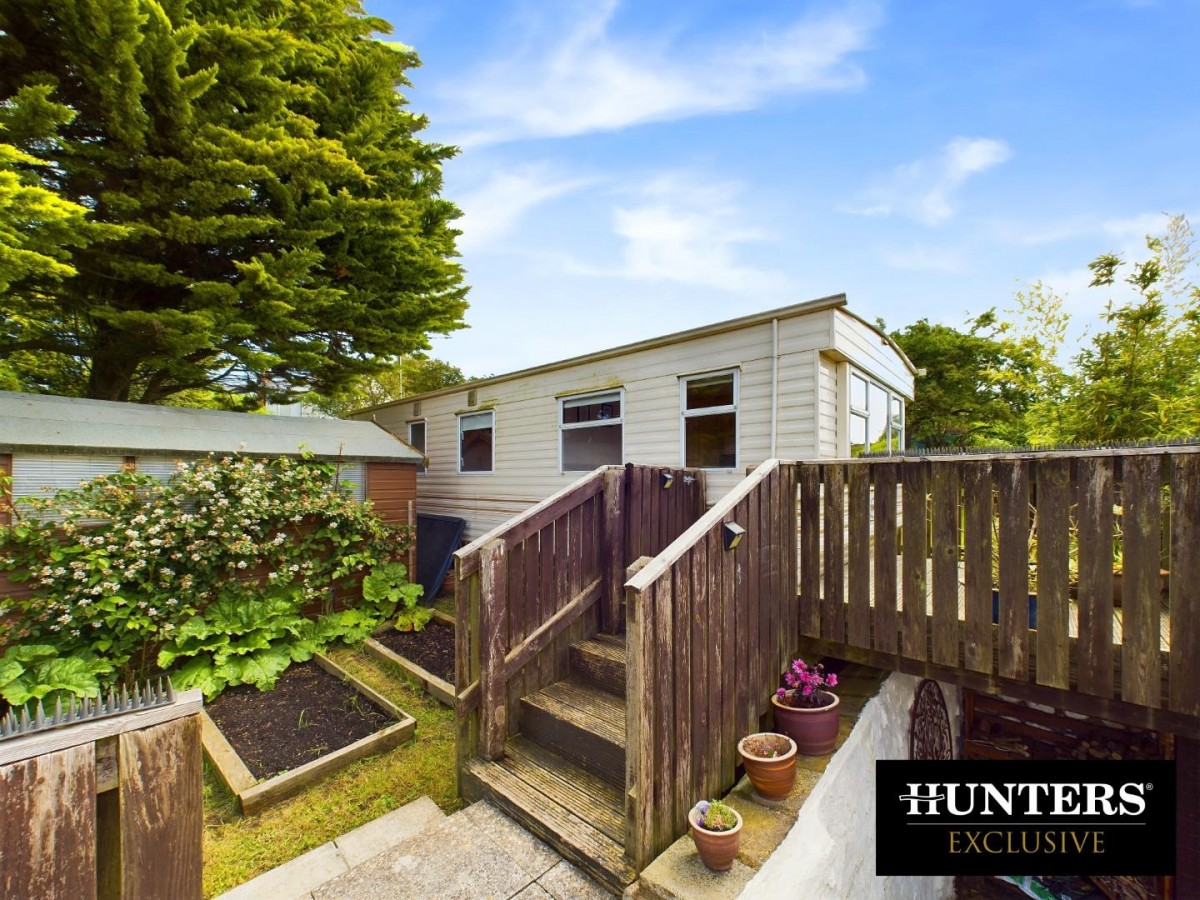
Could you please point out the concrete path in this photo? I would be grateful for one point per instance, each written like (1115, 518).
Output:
(419, 851)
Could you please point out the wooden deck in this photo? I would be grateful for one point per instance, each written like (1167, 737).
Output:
(601, 744)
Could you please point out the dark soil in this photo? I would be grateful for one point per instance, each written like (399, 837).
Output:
(431, 648)
(308, 715)
(767, 747)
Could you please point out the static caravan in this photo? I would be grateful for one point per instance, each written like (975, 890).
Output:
(803, 382)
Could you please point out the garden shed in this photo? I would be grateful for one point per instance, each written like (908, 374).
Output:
(49, 442)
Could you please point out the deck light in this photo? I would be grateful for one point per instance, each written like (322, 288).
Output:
(733, 534)
(667, 480)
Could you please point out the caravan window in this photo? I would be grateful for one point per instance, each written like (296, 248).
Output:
(709, 404)
(876, 417)
(591, 431)
(416, 440)
(476, 442)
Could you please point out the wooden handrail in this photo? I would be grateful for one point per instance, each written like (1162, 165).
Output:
(533, 519)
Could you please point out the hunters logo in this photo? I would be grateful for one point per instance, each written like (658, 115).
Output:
(983, 817)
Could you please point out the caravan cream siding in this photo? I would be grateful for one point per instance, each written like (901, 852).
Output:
(827, 397)
(865, 348)
(527, 416)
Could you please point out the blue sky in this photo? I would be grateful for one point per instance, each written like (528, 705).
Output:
(628, 169)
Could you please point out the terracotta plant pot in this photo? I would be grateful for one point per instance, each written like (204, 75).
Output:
(717, 849)
(772, 776)
(815, 731)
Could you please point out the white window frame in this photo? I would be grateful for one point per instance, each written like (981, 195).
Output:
(424, 468)
(864, 413)
(491, 413)
(685, 414)
(602, 423)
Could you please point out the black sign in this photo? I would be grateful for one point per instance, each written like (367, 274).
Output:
(1025, 817)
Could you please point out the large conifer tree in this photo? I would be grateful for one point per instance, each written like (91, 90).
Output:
(275, 224)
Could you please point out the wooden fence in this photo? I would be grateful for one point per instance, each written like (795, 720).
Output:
(1003, 570)
(548, 578)
(924, 565)
(709, 631)
(111, 808)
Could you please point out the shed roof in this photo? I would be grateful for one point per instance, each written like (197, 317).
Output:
(47, 424)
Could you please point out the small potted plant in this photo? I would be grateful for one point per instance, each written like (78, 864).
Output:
(770, 763)
(716, 829)
(804, 711)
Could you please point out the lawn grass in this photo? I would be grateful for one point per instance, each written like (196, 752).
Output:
(236, 847)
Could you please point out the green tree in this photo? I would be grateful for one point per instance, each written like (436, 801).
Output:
(409, 375)
(283, 229)
(972, 392)
(1139, 378)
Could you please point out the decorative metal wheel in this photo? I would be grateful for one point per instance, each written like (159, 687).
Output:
(929, 733)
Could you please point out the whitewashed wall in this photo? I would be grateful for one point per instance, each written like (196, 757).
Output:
(830, 851)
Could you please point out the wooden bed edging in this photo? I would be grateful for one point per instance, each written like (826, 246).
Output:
(438, 688)
(255, 796)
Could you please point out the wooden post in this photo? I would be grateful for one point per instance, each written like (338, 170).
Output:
(833, 612)
(162, 810)
(493, 570)
(1053, 572)
(612, 550)
(1141, 498)
(944, 490)
(914, 595)
(48, 825)
(1012, 476)
(639, 740)
(1095, 576)
(886, 476)
(1185, 585)
(977, 565)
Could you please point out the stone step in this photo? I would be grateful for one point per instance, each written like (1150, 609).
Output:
(580, 722)
(538, 798)
(601, 661)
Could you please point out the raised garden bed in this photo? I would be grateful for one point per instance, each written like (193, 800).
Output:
(427, 655)
(318, 719)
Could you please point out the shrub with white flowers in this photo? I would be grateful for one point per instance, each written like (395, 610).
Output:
(212, 571)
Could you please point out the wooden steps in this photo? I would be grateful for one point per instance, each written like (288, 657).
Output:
(563, 776)
(601, 662)
(580, 722)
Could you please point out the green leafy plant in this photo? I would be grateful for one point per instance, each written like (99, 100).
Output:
(228, 571)
(714, 815)
(31, 672)
(388, 585)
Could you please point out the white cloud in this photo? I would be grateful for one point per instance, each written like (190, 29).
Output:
(924, 190)
(492, 210)
(581, 78)
(687, 230)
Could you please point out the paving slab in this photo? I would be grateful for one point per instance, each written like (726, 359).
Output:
(454, 859)
(532, 892)
(567, 882)
(295, 879)
(532, 854)
(387, 831)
